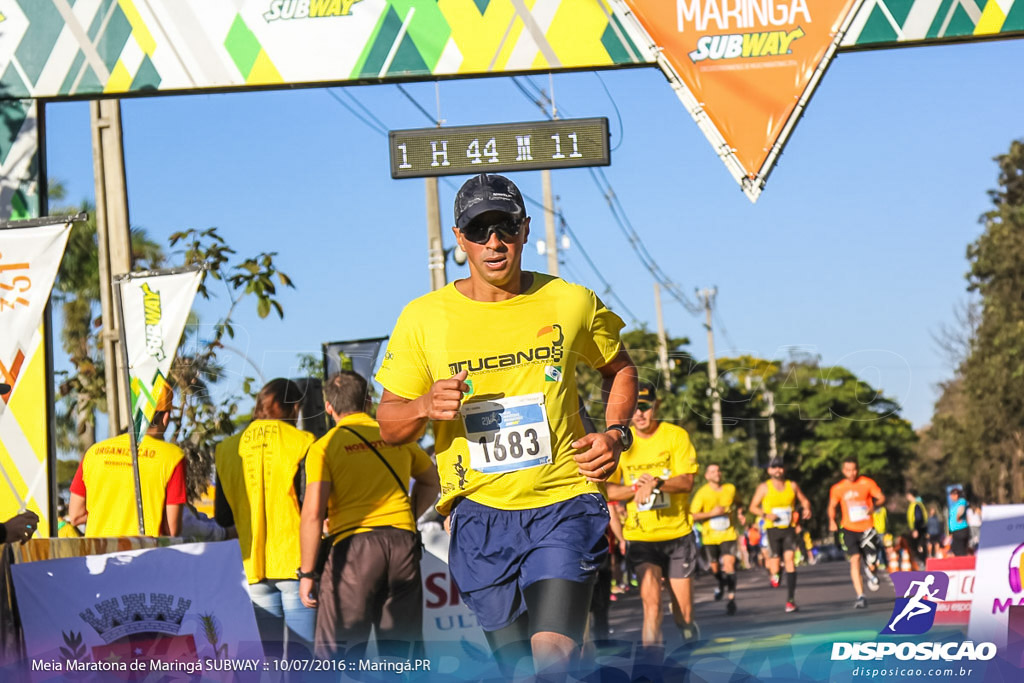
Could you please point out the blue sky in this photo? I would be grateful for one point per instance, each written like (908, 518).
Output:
(855, 250)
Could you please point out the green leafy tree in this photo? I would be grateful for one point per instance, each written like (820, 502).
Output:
(979, 421)
(200, 418)
(825, 414)
(642, 345)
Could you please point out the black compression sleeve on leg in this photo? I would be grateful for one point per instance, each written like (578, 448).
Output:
(791, 585)
(720, 575)
(510, 644)
(730, 583)
(559, 606)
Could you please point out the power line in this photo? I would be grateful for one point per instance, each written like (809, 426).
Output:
(618, 211)
(618, 114)
(608, 290)
(416, 104)
(626, 226)
(721, 328)
(377, 125)
(372, 121)
(365, 110)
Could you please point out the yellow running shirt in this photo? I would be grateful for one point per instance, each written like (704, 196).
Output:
(514, 350)
(782, 504)
(110, 485)
(257, 469)
(665, 454)
(719, 529)
(364, 495)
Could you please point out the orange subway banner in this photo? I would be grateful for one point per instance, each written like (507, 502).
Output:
(745, 68)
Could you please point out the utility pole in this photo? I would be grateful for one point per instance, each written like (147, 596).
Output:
(770, 397)
(436, 258)
(708, 295)
(551, 241)
(115, 250)
(435, 247)
(662, 340)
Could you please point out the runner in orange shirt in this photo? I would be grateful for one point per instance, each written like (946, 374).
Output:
(858, 497)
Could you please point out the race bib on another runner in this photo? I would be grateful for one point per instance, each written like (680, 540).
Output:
(720, 523)
(657, 501)
(507, 434)
(858, 512)
(783, 516)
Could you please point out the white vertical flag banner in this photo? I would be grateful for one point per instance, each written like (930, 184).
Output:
(29, 259)
(155, 307)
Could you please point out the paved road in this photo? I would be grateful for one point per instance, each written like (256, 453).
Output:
(824, 594)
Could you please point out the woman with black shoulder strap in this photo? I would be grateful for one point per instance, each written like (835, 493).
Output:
(360, 485)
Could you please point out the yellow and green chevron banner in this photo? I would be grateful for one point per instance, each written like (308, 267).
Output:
(54, 48)
(29, 259)
(890, 23)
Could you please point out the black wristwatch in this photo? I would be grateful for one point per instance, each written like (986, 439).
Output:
(306, 575)
(627, 436)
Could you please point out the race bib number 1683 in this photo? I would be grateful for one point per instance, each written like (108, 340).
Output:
(507, 434)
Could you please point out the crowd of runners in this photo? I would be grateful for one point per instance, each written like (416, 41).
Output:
(534, 496)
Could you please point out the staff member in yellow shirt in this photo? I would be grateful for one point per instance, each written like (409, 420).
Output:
(259, 486)
(715, 506)
(102, 492)
(360, 484)
(655, 476)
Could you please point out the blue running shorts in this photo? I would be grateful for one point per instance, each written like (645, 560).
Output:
(495, 554)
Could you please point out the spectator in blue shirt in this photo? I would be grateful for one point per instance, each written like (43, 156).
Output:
(958, 527)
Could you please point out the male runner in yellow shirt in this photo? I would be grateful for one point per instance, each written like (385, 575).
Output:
(491, 360)
(716, 507)
(776, 500)
(656, 476)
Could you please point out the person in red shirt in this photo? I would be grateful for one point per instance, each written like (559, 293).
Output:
(103, 489)
(858, 497)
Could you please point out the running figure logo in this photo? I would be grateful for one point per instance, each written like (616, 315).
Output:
(914, 613)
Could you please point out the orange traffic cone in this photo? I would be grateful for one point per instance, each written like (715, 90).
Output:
(905, 560)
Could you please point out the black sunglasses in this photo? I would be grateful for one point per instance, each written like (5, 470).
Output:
(507, 231)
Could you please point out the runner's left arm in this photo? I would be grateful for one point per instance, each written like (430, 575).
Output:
(426, 484)
(877, 496)
(314, 510)
(805, 505)
(684, 461)
(681, 483)
(833, 500)
(598, 453)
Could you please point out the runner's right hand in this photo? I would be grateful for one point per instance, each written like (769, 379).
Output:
(445, 397)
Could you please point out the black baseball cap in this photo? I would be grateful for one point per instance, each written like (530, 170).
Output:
(776, 462)
(646, 393)
(487, 192)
